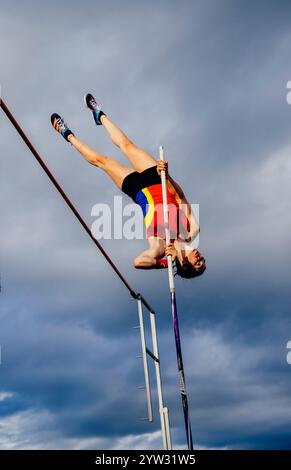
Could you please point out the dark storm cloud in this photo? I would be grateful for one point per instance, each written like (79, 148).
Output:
(208, 80)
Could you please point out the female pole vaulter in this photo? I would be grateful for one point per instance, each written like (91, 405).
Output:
(142, 183)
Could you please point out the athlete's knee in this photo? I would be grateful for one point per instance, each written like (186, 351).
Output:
(106, 162)
(126, 144)
(121, 140)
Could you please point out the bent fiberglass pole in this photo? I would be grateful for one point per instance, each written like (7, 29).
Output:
(175, 313)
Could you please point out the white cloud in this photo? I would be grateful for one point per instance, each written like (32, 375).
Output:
(5, 395)
(29, 430)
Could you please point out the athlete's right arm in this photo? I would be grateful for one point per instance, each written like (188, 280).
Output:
(148, 259)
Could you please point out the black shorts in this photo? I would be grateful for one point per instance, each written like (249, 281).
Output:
(136, 181)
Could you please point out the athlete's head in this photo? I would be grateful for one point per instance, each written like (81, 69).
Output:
(192, 265)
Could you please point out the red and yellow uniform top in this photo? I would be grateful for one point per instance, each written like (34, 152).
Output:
(150, 199)
(145, 189)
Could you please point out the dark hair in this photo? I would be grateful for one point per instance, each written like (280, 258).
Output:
(187, 270)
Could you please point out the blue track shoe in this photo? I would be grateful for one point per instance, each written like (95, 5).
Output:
(91, 104)
(60, 126)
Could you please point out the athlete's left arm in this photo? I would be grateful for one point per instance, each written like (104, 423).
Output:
(184, 205)
(178, 193)
(193, 223)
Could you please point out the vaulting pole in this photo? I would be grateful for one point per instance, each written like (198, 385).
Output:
(175, 313)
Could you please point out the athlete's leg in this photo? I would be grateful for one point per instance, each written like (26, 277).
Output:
(114, 169)
(139, 158)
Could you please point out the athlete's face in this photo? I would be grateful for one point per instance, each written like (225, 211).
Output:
(196, 259)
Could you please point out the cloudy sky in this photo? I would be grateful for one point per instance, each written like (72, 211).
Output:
(208, 80)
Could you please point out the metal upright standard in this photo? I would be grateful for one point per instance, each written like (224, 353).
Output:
(164, 412)
(140, 300)
(175, 313)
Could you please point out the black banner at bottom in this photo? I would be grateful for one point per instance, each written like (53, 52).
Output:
(124, 458)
